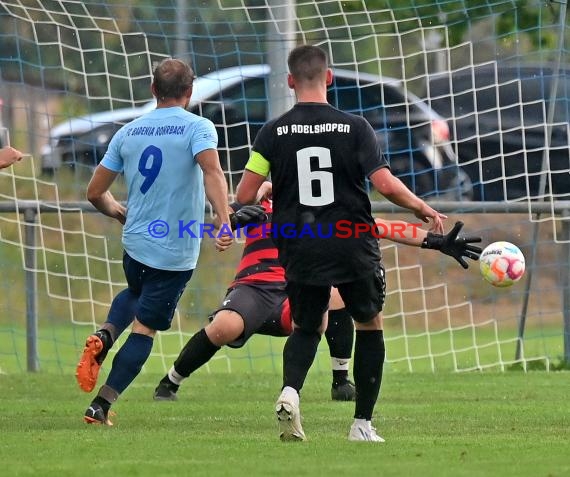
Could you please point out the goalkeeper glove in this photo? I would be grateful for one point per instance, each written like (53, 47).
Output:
(247, 215)
(454, 246)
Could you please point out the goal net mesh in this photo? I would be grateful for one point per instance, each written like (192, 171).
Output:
(485, 79)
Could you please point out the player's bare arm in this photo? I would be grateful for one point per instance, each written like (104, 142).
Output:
(249, 186)
(265, 192)
(99, 195)
(396, 192)
(407, 233)
(216, 190)
(458, 247)
(8, 156)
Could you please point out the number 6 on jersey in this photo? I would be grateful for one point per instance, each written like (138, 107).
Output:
(306, 176)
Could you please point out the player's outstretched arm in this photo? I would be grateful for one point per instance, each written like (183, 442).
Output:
(396, 192)
(411, 234)
(400, 231)
(8, 156)
(451, 244)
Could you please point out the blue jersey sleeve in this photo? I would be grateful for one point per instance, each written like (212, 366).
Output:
(112, 159)
(204, 137)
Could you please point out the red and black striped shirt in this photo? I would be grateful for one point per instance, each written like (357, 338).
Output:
(259, 262)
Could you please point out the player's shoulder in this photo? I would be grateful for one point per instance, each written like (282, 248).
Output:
(198, 124)
(353, 117)
(267, 129)
(193, 117)
(339, 115)
(271, 123)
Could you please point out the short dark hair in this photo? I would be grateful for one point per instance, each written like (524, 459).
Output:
(172, 78)
(307, 62)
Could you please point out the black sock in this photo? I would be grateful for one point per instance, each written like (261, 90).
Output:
(197, 352)
(298, 356)
(107, 340)
(340, 337)
(340, 376)
(106, 405)
(340, 334)
(369, 354)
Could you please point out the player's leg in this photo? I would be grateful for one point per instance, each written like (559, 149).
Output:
(246, 310)
(160, 292)
(308, 306)
(340, 337)
(364, 299)
(121, 315)
(226, 326)
(126, 366)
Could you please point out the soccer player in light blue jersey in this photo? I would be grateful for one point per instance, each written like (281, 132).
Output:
(170, 162)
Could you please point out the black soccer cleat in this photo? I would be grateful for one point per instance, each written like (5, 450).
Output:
(165, 392)
(96, 415)
(344, 391)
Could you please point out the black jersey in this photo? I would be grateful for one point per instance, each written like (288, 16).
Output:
(319, 159)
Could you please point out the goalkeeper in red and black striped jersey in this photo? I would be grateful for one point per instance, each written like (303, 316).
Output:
(256, 303)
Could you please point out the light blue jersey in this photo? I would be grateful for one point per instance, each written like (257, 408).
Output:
(165, 183)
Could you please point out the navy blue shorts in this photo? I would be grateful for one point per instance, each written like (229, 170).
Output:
(158, 292)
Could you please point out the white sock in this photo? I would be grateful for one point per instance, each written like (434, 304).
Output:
(361, 423)
(338, 364)
(175, 377)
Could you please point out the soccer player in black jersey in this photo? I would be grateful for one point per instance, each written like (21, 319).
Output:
(256, 303)
(319, 158)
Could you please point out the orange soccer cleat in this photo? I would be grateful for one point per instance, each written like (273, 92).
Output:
(90, 362)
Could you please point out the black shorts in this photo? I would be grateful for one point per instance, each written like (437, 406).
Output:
(363, 299)
(263, 308)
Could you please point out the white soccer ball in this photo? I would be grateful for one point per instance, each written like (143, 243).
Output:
(502, 264)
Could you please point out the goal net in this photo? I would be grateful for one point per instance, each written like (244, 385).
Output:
(470, 101)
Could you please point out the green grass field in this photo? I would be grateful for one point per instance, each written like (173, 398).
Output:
(443, 424)
(59, 348)
(473, 424)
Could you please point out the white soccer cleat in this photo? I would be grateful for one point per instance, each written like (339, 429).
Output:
(362, 431)
(289, 416)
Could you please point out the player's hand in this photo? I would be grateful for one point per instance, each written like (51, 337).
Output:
(8, 156)
(248, 214)
(454, 246)
(431, 216)
(121, 213)
(223, 242)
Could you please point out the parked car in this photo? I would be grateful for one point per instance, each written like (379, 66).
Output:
(84, 140)
(499, 115)
(414, 137)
